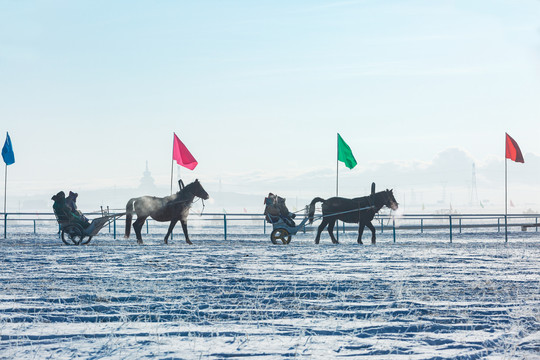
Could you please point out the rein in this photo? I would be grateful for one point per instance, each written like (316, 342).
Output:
(343, 212)
(185, 201)
(202, 200)
(391, 216)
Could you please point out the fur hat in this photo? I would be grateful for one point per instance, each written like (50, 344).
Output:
(60, 196)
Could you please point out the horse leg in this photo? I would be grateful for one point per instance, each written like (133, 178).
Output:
(324, 222)
(169, 232)
(372, 228)
(137, 226)
(184, 227)
(331, 225)
(360, 231)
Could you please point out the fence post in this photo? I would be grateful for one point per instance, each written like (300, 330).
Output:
(34, 227)
(225, 225)
(422, 226)
(5, 225)
(264, 222)
(394, 229)
(450, 218)
(382, 225)
(460, 225)
(114, 228)
(147, 232)
(505, 228)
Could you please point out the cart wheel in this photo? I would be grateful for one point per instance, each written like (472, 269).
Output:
(280, 234)
(72, 235)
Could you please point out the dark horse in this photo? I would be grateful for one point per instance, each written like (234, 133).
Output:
(358, 210)
(171, 208)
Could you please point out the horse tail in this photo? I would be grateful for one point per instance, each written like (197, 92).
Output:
(311, 212)
(129, 217)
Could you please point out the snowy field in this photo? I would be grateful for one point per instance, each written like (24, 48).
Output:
(419, 298)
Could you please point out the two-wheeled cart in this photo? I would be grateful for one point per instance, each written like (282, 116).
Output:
(283, 231)
(284, 228)
(74, 233)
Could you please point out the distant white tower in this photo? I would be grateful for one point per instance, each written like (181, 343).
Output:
(147, 181)
(474, 190)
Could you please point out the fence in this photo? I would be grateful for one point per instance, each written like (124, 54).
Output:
(226, 224)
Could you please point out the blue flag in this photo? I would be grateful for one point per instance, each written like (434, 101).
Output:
(7, 151)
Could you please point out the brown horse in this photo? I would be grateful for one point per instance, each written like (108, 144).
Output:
(360, 210)
(172, 208)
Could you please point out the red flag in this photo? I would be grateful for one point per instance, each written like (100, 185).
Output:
(182, 155)
(512, 150)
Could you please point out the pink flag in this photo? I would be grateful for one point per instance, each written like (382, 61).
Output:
(182, 155)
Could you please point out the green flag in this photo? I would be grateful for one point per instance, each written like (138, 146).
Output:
(345, 154)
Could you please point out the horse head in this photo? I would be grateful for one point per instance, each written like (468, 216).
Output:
(389, 200)
(197, 190)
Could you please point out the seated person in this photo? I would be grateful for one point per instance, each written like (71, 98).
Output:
(271, 210)
(64, 213)
(71, 203)
(284, 212)
(276, 209)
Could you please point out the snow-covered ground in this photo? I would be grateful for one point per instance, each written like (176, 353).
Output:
(419, 298)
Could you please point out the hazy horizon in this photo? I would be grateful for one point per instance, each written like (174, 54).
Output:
(437, 191)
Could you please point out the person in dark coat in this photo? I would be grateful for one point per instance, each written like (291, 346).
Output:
(71, 203)
(65, 213)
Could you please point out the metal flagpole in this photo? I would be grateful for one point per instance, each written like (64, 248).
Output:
(5, 198)
(172, 169)
(505, 199)
(337, 166)
(178, 175)
(172, 163)
(337, 181)
(5, 189)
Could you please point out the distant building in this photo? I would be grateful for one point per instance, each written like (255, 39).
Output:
(147, 184)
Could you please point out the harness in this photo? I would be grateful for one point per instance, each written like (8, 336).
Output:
(173, 202)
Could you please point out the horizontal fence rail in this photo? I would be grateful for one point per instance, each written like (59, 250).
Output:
(225, 224)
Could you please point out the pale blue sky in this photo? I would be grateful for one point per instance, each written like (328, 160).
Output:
(91, 90)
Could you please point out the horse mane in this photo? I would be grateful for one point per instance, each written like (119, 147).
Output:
(185, 191)
(376, 199)
(189, 192)
(383, 197)
(188, 186)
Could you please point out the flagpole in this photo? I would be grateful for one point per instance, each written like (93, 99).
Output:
(5, 198)
(337, 181)
(172, 163)
(5, 190)
(178, 175)
(172, 169)
(505, 199)
(337, 165)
